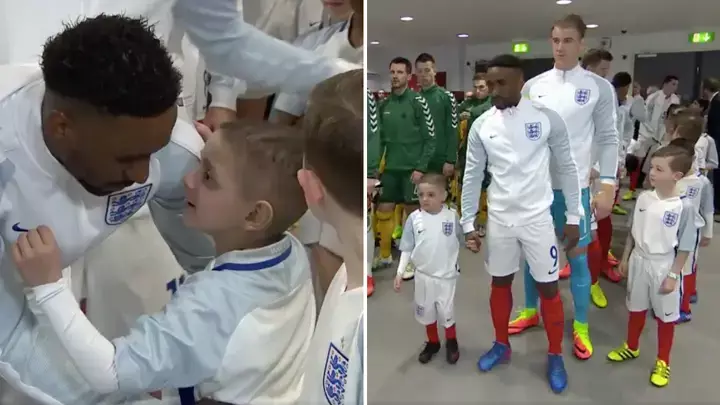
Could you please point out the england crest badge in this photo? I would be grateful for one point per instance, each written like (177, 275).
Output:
(533, 130)
(670, 218)
(335, 376)
(123, 205)
(582, 96)
(447, 228)
(692, 192)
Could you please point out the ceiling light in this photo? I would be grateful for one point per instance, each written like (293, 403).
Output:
(563, 2)
(406, 18)
(462, 35)
(592, 25)
(374, 42)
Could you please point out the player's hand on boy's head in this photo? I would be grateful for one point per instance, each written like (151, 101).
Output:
(704, 242)
(397, 283)
(473, 241)
(37, 257)
(448, 169)
(668, 285)
(204, 130)
(571, 236)
(416, 176)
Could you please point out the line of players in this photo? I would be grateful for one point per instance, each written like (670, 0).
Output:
(552, 148)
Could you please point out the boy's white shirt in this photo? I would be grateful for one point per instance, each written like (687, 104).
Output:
(432, 242)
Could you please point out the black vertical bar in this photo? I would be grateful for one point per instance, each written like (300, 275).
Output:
(697, 78)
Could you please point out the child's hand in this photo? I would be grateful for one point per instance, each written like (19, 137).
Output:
(37, 257)
(473, 241)
(397, 283)
(623, 268)
(704, 242)
(668, 285)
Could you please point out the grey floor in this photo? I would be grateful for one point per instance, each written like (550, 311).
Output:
(395, 339)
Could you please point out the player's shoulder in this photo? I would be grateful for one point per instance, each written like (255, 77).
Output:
(186, 137)
(449, 95)
(483, 118)
(542, 77)
(603, 86)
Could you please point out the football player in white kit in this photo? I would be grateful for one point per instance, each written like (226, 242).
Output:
(257, 293)
(51, 121)
(431, 240)
(661, 238)
(517, 139)
(334, 168)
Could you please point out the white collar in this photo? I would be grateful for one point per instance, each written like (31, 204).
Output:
(254, 259)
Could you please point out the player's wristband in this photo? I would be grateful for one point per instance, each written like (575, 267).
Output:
(572, 219)
(673, 275)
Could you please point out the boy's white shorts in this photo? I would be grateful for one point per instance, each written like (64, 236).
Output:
(536, 242)
(691, 263)
(643, 287)
(434, 300)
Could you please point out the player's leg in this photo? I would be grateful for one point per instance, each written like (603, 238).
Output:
(446, 315)
(639, 285)
(503, 255)
(541, 252)
(370, 255)
(688, 283)
(667, 314)
(604, 231)
(410, 199)
(390, 194)
(596, 262)
(426, 314)
(398, 221)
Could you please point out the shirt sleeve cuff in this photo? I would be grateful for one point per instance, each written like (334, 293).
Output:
(608, 180)
(224, 96)
(572, 219)
(468, 227)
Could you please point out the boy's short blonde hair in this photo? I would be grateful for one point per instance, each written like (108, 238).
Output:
(267, 159)
(334, 138)
(435, 179)
(689, 125)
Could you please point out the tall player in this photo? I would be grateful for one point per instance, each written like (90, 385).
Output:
(587, 104)
(517, 139)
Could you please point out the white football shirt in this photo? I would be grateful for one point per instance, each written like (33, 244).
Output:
(659, 226)
(433, 241)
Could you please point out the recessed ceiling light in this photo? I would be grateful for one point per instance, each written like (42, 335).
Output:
(462, 35)
(563, 2)
(374, 42)
(406, 18)
(592, 25)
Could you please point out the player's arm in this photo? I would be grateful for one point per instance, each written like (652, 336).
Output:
(179, 347)
(561, 151)
(373, 137)
(451, 130)
(638, 111)
(711, 161)
(425, 122)
(606, 136)
(459, 230)
(224, 91)
(235, 48)
(707, 208)
(407, 243)
(650, 124)
(475, 163)
(701, 153)
(629, 240)
(687, 234)
(192, 249)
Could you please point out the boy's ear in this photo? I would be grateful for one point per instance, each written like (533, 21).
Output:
(312, 186)
(260, 217)
(678, 176)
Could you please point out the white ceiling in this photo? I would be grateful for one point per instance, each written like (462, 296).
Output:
(437, 22)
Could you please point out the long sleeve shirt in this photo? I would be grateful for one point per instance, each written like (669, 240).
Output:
(443, 108)
(653, 129)
(587, 103)
(517, 145)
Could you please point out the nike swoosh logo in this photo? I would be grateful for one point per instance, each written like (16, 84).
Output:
(643, 209)
(666, 314)
(492, 136)
(552, 271)
(17, 228)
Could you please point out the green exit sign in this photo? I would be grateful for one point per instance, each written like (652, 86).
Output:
(521, 47)
(702, 37)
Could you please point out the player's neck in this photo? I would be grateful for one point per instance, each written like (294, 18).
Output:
(399, 90)
(230, 240)
(429, 86)
(434, 211)
(351, 233)
(665, 193)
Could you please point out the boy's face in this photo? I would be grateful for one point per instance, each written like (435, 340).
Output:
(431, 197)
(661, 175)
(214, 200)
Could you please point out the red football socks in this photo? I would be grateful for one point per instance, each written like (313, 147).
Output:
(501, 303)
(688, 289)
(595, 260)
(432, 333)
(554, 320)
(604, 233)
(666, 333)
(450, 332)
(636, 323)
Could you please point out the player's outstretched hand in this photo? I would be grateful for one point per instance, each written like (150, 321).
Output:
(623, 268)
(397, 283)
(571, 234)
(37, 257)
(473, 241)
(668, 285)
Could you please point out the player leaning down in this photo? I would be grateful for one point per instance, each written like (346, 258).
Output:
(587, 103)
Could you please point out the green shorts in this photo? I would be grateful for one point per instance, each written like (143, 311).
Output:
(398, 188)
(436, 167)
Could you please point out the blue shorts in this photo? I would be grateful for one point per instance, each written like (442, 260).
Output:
(558, 213)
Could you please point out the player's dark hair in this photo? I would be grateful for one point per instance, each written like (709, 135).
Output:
(402, 61)
(594, 56)
(621, 79)
(573, 21)
(703, 104)
(435, 179)
(686, 144)
(334, 138)
(112, 63)
(711, 84)
(424, 58)
(680, 159)
(670, 78)
(506, 61)
(478, 76)
(673, 110)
